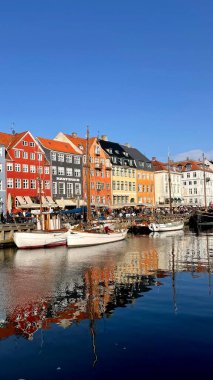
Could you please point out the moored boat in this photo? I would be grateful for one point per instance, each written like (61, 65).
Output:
(85, 239)
(38, 239)
(172, 225)
(201, 219)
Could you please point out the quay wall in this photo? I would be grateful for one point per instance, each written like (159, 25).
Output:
(7, 231)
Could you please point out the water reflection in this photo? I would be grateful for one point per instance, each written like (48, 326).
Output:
(63, 286)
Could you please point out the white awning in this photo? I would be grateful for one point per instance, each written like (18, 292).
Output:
(65, 202)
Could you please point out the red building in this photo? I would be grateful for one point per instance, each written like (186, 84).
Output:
(27, 170)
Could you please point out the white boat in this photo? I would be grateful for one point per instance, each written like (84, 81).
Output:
(167, 226)
(40, 239)
(86, 239)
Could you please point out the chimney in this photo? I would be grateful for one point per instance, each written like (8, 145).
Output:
(74, 134)
(104, 137)
(154, 159)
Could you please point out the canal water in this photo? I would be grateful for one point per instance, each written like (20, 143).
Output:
(141, 307)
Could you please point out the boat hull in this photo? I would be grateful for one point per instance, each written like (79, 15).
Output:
(86, 239)
(30, 240)
(170, 226)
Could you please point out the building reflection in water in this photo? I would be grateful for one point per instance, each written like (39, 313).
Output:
(60, 286)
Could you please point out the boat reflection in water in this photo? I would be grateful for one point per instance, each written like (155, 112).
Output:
(132, 286)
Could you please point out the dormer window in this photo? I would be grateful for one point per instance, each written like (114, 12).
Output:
(80, 147)
(109, 150)
(117, 151)
(188, 166)
(97, 150)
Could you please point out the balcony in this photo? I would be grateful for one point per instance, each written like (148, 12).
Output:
(98, 166)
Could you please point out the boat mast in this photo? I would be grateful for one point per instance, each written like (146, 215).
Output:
(40, 200)
(88, 179)
(170, 186)
(204, 185)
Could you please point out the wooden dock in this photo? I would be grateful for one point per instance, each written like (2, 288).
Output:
(7, 230)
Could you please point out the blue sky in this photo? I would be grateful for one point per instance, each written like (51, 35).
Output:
(138, 71)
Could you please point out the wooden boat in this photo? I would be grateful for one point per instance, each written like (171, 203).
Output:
(201, 219)
(172, 225)
(86, 239)
(38, 239)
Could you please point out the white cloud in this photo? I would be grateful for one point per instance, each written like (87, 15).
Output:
(195, 154)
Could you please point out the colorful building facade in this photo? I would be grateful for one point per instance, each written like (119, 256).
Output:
(100, 169)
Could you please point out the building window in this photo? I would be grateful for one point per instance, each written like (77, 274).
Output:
(54, 187)
(46, 184)
(1, 189)
(1, 151)
(69, 190)
(25, 143)
(69, 172)
(17, 167)
(40, 169)
(60, 170)
(77, 172)
(54, 170)
(61, 157)
(17, 183)
(61, 188)
(32, 156)
(53, 156)
(32, 143)
(32, 169)
(68, 158)
(25, 168)
(39, 157)
(9, 167)
(17, 154)
(77, 160)
(32, 184)
(46, 170)
(77, 189)
(25, 184)
(25, 155)
(10, 183)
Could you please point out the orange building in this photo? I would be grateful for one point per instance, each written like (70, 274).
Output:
(100, 169)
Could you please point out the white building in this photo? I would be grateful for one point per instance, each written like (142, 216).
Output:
(162, 174)
(197, 182)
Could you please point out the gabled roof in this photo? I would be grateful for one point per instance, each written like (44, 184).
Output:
(15, 139)
(138, 157)
(158, 165)
(56, 145)
(80, 142)
(116, 148)
(191, 165)
(5, 138)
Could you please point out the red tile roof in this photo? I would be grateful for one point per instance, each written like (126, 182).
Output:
(5, 138)
(80, 141)
(57, 145)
